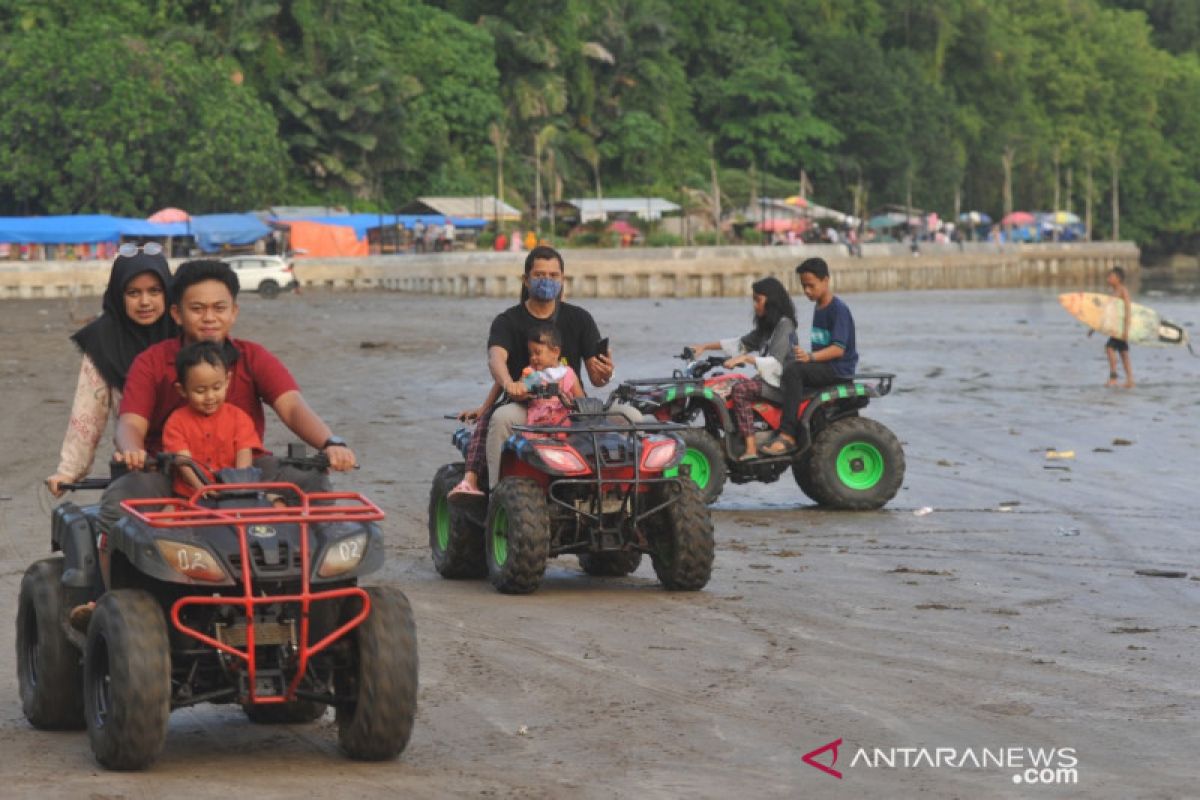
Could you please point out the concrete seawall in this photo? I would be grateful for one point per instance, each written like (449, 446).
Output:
(665, 272)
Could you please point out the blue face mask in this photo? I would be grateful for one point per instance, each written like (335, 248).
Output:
(544, 288)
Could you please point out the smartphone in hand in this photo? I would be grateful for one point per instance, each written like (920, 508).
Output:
(601, 347)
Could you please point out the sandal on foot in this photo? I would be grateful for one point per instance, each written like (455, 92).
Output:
(464, 492)
(778, 447)
(747, 457)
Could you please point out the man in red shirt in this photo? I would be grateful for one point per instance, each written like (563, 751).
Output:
(204, 304)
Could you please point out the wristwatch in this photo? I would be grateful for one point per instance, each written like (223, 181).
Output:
(334, 441)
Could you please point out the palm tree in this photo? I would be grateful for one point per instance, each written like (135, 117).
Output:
(541, 141)
(498, 133)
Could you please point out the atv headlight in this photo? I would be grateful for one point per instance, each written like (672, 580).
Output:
(343, 556)
(191, 561)
(561, 459)
(657, 455)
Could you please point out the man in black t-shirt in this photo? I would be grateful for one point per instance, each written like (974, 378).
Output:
(508, 353)
(510, 332)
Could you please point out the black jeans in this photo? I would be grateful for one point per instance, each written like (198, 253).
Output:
(797, 377)
(157, 484)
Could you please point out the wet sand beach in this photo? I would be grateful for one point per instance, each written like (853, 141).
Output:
(1012, 615)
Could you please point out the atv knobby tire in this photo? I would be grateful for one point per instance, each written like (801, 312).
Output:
(49, 667)
(613, 563)
(377, 722)
(705, 459)
(517, 539)
(127, 679)
(802, 471)
(681, 538)
(293, 713)
(455, 542)
(857, 464)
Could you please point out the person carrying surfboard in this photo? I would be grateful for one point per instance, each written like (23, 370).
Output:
(1115, 345)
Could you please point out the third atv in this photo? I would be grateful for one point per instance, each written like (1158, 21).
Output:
(597, 487)
(843, 460)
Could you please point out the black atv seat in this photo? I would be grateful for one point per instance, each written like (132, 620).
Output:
(774, 395)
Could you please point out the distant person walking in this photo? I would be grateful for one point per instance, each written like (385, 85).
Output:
(419, 236)
(1115, 345)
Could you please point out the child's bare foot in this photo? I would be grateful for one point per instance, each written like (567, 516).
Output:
(1129, 384)
(1111, 382)
(80, 616)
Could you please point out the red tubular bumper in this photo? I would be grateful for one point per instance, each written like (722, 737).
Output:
(336, 507)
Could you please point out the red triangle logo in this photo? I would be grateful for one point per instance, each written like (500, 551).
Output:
(810, 758)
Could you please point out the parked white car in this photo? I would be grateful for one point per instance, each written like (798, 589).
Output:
(267, 275)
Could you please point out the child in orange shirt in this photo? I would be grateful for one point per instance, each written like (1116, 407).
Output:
(211, 432)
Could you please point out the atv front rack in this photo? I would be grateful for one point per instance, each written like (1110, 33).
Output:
(633, 482)
(314, 508)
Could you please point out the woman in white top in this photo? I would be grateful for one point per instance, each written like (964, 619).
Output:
(133, 318)
(768, 348)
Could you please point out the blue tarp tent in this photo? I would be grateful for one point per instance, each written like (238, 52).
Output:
(213, 230)
(361, 223)
(78, 229)
(142, 229)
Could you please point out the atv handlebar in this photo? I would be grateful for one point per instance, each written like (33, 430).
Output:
(159, 462)
(698, 367)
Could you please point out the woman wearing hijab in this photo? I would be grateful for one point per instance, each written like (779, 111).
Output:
(133, 318)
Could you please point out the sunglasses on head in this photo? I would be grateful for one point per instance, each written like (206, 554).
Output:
(130, 249)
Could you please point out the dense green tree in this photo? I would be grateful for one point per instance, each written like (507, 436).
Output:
(97, 118)
(948, 104)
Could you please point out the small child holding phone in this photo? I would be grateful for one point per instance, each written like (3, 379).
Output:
(545, 367)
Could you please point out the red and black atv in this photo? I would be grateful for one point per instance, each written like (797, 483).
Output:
(597, 487)
(843, 460)
(219, 598)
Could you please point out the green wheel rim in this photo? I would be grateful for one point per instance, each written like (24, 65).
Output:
(443, 524)
(701, 469)
(860, 465)
(500, 536)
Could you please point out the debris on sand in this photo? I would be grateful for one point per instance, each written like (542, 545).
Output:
(1060, 467)
(911, 571)
(1102, 450)
(1134, 630)
(523, 730)
(375, 345)
(1160, 573)
(1065, 455)
(941, 462)
(1067, 531)
(922, 511)
(1004, 612)
(938, 607)
(1122, 442)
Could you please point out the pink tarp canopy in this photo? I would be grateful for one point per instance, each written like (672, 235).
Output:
(1018, 218)
(169, 215)
(623, 228)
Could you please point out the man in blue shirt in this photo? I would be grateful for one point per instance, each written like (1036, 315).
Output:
(833, 357)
